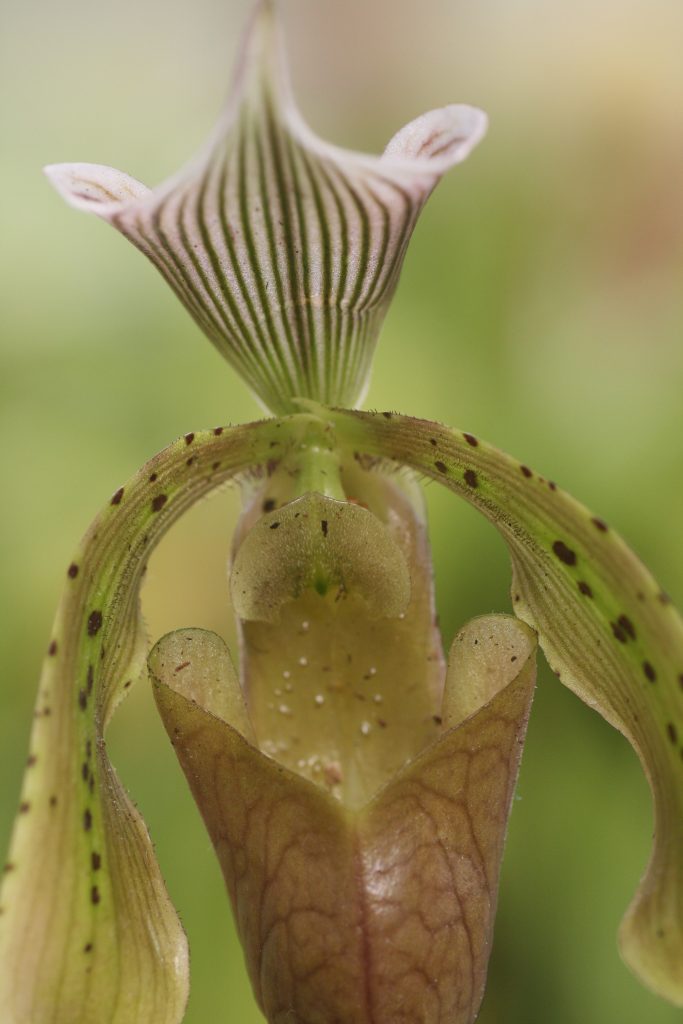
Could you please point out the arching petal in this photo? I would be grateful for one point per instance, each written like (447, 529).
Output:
(285, 249)
(87, 931)
(605, 626)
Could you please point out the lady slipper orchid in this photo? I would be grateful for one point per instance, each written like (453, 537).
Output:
(356, 787)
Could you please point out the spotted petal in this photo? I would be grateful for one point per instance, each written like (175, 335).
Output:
(87, 932)
(285, 249)
(607, 629)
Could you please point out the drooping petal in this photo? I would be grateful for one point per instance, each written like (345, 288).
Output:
(377, 917)
(607, 629)
(87, 932)
(285, 249)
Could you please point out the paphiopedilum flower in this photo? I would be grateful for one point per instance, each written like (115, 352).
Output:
(355, 788)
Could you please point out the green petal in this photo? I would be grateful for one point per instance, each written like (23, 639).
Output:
(285, 249)
(87, 932)
(384, 915)
(607, 629)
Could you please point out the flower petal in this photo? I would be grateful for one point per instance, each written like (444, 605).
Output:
(384, 915)
(285, 249)
(87, 932)
(605, 626)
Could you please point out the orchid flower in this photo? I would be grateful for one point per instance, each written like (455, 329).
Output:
(356, 784)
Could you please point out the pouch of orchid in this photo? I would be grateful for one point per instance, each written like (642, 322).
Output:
(355, 786)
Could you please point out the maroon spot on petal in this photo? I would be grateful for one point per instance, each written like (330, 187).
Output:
(52, 649)
(183, 664)
(215, 466)
(649, 671)
(96, 861)
(94, 623)
(53, 801)
(158, 502)
(663, 597)
(268, 505)
(526, 472)
(627, 626)
(433, 442)
(31, 760)
(274, 526)
(381, 723)
(564, 553)
(471, 440)
(153, 477)
(24, 807)
(8, 867)
(95, 895)
(218, 431)
(441, 466)
(89, 680)
(387, 415)
(128, 684)
(189, 438)
(87, 820)
(190, 460)
(552, 485)
(619, 634)
(437, 719)
(672, 733)
(82, 700)
(116, 500)
(585, 588)
(72, 571)
(88, 947)
(88, 748)
(323, 527)
(471, 478)
(600, 524)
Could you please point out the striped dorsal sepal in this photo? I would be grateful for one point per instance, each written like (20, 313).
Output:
(286, 250)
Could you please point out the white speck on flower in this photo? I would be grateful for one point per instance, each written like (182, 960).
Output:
(378, 698)
(303, 661)
(284, 709)
(286, 674)
(319, 699)
(305, 626)
(365, 728)
(372, 671)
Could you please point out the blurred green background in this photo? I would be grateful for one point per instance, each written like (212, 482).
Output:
(540, 307)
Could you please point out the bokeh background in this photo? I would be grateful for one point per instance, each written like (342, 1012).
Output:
(540, 307)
